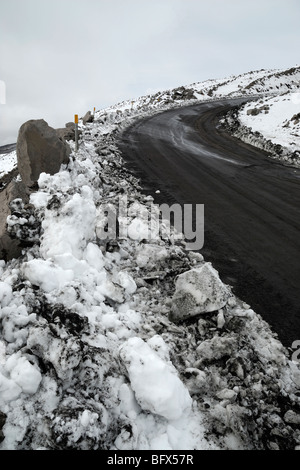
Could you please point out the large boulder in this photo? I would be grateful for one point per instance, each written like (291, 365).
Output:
(199, 290)
(39, 149)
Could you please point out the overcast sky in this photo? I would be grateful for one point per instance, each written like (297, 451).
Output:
(63, 57)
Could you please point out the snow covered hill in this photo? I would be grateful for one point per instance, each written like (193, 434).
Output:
(89, 358)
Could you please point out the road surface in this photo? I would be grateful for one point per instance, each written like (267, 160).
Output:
(252, 215)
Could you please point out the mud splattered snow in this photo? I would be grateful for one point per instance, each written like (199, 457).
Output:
(89, 356)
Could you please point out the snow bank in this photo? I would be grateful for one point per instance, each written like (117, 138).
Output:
(272, 124)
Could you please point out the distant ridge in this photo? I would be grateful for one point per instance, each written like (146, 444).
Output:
(7, 148)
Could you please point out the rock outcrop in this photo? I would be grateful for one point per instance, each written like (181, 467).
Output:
(39, 149)
(182, 93)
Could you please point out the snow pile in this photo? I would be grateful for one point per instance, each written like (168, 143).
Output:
(89, 356)
(270, 123)
(67, 306)
(277, 119)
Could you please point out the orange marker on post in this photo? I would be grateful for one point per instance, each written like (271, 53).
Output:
(76, 131)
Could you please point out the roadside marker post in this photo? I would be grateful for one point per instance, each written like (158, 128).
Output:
(76, 132)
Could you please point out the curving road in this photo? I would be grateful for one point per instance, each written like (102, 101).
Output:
(252, 215)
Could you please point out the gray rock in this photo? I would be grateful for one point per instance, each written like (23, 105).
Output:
(215, 348)
(66, 133)
(39, 149)
(88, 117)
(291, 417)
(197, 291)
(70, 124)
(183, 93)
(253, 112)
(9, 247)
(227, 395)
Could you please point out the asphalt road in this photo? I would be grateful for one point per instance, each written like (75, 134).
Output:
(252, 204)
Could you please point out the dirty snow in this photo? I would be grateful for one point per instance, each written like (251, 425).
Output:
(89, 355)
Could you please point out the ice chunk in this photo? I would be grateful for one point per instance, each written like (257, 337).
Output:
(40, 199)
(94, 256)
(88, 418)
(125, 280)
(46, 275)
(150, 254)
(26, 375)
(155, 382)
(9, 390)
(197, 291)
(138, 229)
